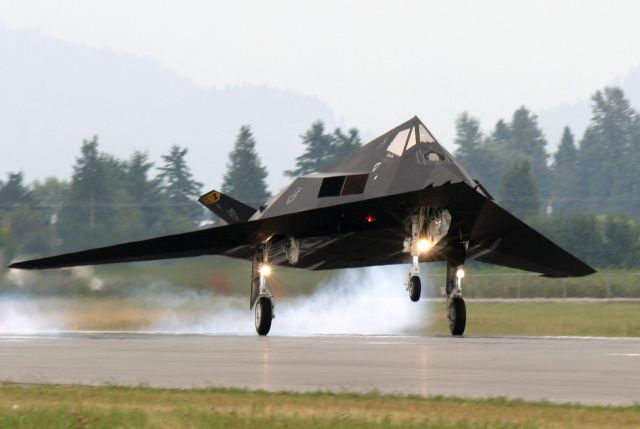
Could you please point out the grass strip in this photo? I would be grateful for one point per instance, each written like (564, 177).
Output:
(39, 406)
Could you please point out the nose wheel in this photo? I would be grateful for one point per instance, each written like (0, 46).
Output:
(415, 288)
(261, 297)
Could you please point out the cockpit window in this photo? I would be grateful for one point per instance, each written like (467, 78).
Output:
(425, 136)
(396, 146)
(412, 139)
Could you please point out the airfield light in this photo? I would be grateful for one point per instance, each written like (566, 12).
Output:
(423, 245)
(265, 270)
(460, 273)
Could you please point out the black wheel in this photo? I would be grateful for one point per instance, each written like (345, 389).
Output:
(415, 287)
(264, 314)
(457, 315)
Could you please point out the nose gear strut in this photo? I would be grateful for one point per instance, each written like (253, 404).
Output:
(261, 296)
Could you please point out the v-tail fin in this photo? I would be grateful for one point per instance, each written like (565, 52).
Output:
(228, 209)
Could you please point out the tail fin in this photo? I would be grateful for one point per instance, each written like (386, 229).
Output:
(230, 210)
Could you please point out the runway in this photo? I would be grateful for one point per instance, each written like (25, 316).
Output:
(586, 370)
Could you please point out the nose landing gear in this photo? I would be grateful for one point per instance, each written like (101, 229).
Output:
(261, 296)
(414, 287)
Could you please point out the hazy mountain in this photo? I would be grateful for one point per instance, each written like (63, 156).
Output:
(578, 114)
(55, 93)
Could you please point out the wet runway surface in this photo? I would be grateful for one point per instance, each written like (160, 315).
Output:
(587, 370)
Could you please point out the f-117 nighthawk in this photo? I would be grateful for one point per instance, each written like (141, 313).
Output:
(402, 198)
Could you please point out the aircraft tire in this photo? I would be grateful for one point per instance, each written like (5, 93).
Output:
(457, 315)
(263, 315)
(415, 288)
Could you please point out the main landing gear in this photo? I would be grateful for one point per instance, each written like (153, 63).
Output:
(457, 310)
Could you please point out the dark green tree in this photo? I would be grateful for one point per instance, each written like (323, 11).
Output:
(49, 197)
(142, 189)
(23, 224)
(526, 138)
(485, 159)
(468, 138)
(621, 247)
(609, 155)
(566, 189)
(89, 187)
(501, 132)
(318, 151)
(245, 176)
(179, 190)
(98, 210)
(323, 149)
(14, 191)
(344, 144)
(518, 191)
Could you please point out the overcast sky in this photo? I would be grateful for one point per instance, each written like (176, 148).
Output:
(374, 63)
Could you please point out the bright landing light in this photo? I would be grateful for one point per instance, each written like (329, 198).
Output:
(460, 273)
(423, 245)
(265, 270)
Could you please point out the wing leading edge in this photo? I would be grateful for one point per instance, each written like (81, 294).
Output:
(212, 241)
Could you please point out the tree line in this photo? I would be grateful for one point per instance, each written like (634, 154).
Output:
(597, 174)
(586, 196)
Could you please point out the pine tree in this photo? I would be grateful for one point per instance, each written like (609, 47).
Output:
(527, 139)
(142, 190)
(88, 184)
(518, 191)
(609, 155)
(14, 191)
(566, 183)
(98, 210)
(485, 159)
(468, 138)
(501, 133)
(245, 177)
(21, 222)
(178, 188)
(322, 149)
(318, 151)
(344, 144)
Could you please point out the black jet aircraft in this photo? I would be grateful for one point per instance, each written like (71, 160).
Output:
(402, 198)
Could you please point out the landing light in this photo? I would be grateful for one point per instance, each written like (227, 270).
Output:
(423, 245)
(460, 273)
(265, 270)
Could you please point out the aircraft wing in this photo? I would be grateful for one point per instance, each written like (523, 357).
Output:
(503, 239)
(212, 241)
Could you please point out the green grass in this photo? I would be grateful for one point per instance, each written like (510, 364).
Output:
(612, 319)
(141, 407)
(227, 276)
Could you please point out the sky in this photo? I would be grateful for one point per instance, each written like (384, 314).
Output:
(375, 63)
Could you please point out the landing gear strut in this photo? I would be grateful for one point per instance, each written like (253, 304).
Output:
(411, 245)
(261, 296)
(457, 310)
